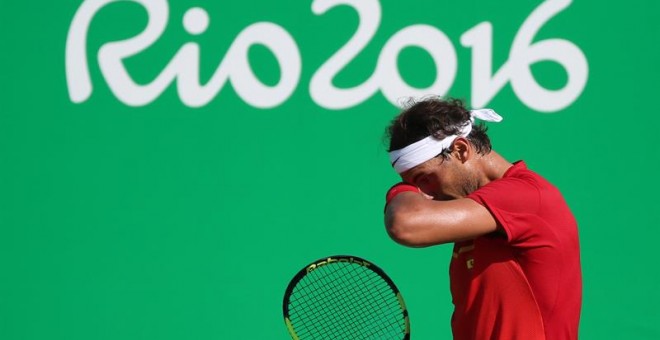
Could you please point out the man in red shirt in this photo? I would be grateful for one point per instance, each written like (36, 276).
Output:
(515, 270)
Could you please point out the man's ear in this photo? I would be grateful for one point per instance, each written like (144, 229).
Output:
(462, 149)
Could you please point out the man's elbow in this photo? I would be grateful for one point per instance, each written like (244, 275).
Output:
(405, 238)
(402, 232)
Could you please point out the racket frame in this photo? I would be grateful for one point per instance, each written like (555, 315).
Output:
(339, 259)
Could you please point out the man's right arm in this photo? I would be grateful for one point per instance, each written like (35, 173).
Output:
(415, 221)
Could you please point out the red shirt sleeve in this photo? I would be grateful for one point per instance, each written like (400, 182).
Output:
(514, 202)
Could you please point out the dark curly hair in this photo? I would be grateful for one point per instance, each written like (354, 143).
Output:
(437, 117)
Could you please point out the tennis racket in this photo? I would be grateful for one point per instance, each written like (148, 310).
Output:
(345, 298)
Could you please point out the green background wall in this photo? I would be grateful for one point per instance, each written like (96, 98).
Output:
(166, 221)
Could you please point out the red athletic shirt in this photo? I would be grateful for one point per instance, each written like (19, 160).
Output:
(525, 283)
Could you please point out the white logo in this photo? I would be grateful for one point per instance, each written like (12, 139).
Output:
(386, 78)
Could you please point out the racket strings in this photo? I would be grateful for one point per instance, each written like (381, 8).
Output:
(336, 300)
(331, 316)
(393, 322)
(345, 301)
(354, 314)
(360, 319)
(328, 297)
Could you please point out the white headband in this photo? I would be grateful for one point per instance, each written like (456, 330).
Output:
(429, 147)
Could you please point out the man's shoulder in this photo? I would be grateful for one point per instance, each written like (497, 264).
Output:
(519, 170)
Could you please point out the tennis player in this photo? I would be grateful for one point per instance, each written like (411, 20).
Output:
(515, 271)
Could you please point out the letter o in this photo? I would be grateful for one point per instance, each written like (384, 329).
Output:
(432, 41)
(286, 52)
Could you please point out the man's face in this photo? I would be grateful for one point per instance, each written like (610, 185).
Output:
(442, 178)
